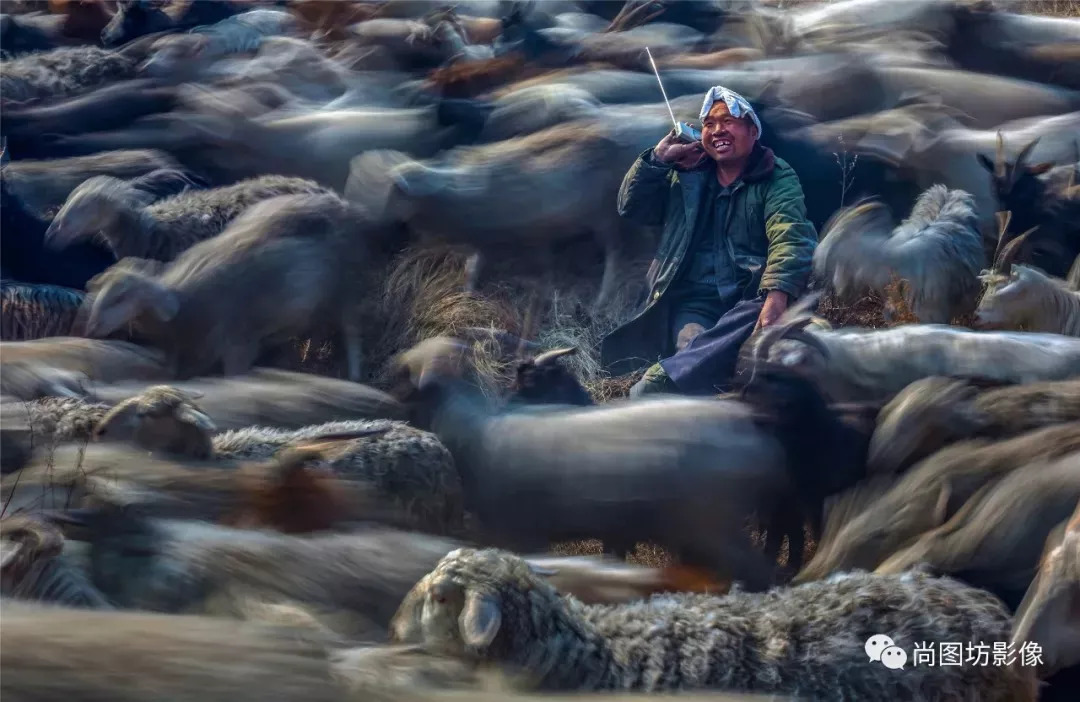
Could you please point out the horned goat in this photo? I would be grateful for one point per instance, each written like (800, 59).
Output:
(933, 412)
(1035, 202)
(287, 265)
(804, 641)
(133, 224)
(930, 493)
(937, 252)
(37, 311)
(613, 471)
(875, 364)
(1026, 298)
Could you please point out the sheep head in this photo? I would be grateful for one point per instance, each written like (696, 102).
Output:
(544, 379)
(160, 419)
(123, 294)
(469, 605)
(25, 544)
(431, 359)
(1013, 180)
(923, 417)
(1010, 301)
(92, 207)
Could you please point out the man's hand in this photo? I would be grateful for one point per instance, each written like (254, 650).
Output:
(679, 154)
(776, 303)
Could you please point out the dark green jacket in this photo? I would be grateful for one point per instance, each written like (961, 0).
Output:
(767, 232)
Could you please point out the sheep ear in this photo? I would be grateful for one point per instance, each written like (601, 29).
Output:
(480, 620)
(9, 551)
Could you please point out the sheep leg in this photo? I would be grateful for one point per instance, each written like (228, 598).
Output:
(239, 358)
(608, 236)
(472, 271)
(354, 349)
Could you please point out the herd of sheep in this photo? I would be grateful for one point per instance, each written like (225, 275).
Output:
(280, 420)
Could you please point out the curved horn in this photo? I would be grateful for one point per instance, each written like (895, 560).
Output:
(1003, 218)
(554, 355)
(999, 157)
(1008, 254)
(810, 340)
(1024, 153)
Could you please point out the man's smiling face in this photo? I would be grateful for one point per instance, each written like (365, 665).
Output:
(727, 139)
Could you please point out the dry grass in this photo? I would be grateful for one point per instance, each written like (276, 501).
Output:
(422, 295)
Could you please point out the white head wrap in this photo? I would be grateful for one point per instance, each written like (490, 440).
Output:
(737, 105)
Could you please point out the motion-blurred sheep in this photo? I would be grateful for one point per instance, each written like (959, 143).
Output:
(933, 412)
(38, 565)
(133, 224)
(937, 251)
(125, 656)
(37, 311)
(995, 539)
(45, 185)
(62, 72)
(287, 265)
(932, 492)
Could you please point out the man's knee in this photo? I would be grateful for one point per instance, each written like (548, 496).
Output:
(655, 380)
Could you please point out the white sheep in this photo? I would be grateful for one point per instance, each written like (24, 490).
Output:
(937, 251)
(1026, 298)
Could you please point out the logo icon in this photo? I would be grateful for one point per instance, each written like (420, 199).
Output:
(876, 644)
(894, 658)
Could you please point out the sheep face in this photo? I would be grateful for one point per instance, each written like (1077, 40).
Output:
(460, 607)
(122, 296)
(923, 417)
(1007, 301)
(87, 210)
(446, 615)
(162, 418)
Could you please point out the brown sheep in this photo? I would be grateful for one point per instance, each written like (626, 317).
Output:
(930, 493)
(933, 412)
(994, 541)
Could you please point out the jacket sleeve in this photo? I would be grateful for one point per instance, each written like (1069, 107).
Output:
(644, 190)
(792, 237)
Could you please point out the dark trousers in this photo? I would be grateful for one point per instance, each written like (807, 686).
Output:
(707, 365)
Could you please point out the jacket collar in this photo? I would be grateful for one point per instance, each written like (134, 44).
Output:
(759, 167)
